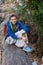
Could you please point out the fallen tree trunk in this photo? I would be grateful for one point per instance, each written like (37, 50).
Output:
(14, 56)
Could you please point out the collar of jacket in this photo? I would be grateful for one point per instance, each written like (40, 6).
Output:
(11, 26)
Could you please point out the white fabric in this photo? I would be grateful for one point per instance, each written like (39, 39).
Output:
(20, 32)
(18, 42)
(10, 40)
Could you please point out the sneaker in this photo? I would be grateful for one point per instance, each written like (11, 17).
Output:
(27, 49)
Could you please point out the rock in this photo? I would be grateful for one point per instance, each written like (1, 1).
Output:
(14, 56)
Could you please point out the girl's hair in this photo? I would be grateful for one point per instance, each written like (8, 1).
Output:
(13, 15)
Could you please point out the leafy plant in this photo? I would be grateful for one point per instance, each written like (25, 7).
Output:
(36, 9)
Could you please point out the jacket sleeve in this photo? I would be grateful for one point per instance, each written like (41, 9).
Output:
(22, 26)
(9, 31)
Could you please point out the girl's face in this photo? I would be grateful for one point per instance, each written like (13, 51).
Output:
(13, 20)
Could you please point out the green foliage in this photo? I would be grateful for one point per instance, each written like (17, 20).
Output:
(37, 14)
(7, 9)
(36, 9)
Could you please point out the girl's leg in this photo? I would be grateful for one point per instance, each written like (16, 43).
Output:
(10, 40)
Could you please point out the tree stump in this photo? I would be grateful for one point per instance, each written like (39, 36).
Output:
(14, 56)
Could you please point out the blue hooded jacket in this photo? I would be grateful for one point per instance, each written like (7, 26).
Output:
(9, 31)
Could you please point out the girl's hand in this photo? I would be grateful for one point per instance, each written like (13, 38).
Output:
(24, 38)
(19, 36)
